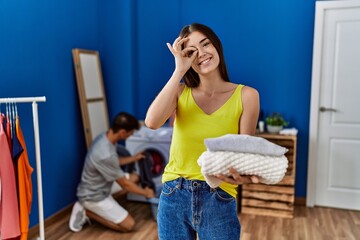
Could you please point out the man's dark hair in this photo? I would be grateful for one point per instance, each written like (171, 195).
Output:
(191, 78)
(125, 121)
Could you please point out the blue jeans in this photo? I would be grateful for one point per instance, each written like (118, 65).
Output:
(187, 208)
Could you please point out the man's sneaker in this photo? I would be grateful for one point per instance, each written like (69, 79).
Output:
(78, 217)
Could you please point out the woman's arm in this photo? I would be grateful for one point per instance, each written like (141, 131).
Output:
(251, 108)
(166, 101)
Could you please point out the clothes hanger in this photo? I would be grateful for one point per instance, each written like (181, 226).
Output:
(10, 118)
(16, 111)
(7, 111)
(16, 115)
(13, 117)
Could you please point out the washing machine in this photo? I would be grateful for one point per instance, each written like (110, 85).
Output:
(157, 143)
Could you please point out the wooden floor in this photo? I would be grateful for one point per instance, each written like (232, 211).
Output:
(309, 223)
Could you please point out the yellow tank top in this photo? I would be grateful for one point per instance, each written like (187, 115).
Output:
(191, 127)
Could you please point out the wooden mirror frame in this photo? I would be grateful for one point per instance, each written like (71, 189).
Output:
(91, 93)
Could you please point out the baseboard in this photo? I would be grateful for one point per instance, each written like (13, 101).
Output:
(34, 231)
(63, 213)
(300, 201)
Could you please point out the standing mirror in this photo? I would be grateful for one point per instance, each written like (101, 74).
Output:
(91, 93)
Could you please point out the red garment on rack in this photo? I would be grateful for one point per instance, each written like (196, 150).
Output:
(25, 184)
(9, 208)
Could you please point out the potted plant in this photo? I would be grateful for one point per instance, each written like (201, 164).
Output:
(275, 122)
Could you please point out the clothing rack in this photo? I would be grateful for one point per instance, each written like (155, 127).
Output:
(34, 101)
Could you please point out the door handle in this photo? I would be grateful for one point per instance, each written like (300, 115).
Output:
(324, 109)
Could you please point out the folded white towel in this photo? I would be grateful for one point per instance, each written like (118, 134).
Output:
(289, 131)
(270, 169)
(245, 144)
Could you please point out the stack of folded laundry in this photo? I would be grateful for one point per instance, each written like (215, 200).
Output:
(289, 131)
(249, 155)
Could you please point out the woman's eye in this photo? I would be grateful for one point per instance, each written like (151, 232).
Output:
(206, 44)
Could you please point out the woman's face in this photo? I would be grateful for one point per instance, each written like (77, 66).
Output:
(207, 59)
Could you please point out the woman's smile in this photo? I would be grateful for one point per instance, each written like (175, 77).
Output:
(204, 62)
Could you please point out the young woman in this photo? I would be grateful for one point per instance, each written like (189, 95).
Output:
(206, 105)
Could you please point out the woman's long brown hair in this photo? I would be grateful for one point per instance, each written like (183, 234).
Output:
(191, 78)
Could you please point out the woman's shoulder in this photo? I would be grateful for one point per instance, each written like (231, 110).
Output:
(249, 93)
(247, 90)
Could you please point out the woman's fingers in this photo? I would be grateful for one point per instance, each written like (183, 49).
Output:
(226, 179)
(178, 44)
(174, 48)
(190, 52)
(236, 178)
(176, 41)
(183, 57)
(177, 48)
(254, 179)
(241, 178)
(170, 48)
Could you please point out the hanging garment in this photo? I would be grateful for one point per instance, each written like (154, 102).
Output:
(7, 126)
(145, 167)
(24, 184)
(157, 164)
(17, 148)
(9, 208)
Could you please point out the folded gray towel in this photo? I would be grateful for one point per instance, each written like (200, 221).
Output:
(245, 144)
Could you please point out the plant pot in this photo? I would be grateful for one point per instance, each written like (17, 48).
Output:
(274, 129)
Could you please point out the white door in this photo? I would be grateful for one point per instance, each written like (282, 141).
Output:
(334, 150)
